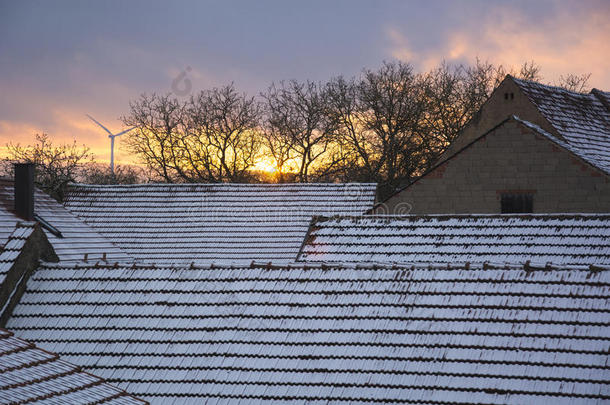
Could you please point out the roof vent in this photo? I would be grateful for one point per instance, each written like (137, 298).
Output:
(43, 222)
(24, 190)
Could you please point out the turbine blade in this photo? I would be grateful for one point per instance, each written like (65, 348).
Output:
(124, 132)
(94, 120)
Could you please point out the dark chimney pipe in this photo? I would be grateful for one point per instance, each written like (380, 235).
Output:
(24, 190)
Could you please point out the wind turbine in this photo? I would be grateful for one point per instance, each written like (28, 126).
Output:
(111, 136)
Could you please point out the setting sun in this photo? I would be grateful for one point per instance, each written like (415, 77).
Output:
(266, 165)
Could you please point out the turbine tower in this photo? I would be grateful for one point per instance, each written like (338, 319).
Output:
(111, 136)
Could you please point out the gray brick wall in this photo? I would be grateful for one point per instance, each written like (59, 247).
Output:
(510, 158)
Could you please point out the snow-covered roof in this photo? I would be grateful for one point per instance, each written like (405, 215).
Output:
(181, 223)
(518, 238)
(329, 333)
(77, 237)
(582, 120)
(30, 374)
(13, 245)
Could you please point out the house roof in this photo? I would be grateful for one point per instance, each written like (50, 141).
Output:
(181, 223)
(581, 120)
(30, 374)
(77, 238)
(12, 248)
(329, 333)
(542, 238)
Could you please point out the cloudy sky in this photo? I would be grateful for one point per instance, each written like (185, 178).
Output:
(62, 59)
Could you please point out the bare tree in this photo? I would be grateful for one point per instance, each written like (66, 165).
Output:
(453, 95)
(344, 110)
(529, 71)
(577, 83)
(56, 165)
(297, 128)
(393, 123)
(158, 122)
(210, 138)
(222, 142)
(378, 118)
(279, 147)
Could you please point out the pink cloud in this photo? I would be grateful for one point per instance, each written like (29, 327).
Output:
(564, 44)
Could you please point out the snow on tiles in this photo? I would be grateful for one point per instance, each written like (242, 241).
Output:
(29, 374)
(184, 223)
(517, 238)
(311, 332)
(77, 241)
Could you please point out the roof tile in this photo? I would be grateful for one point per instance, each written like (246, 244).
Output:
(542, 238)
(181, 223)
(30, 374)
(324, 332)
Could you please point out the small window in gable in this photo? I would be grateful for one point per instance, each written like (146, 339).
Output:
(517, 203)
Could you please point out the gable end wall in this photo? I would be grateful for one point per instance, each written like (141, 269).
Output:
(510, 158)
(495, 110)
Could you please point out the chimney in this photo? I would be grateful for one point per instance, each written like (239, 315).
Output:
(24, 190)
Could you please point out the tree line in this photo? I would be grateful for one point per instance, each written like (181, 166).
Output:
(385, 125)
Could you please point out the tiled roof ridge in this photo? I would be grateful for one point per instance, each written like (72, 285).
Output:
(363, 329)
(574, 115)
(216, 185)
(340, 343)
(485, 265)
(551, 87)
(330, 399)
(345, 317)
(558, 239)
(554, 215)
(581, 120)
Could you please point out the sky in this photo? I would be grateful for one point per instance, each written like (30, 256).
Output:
(60, 60)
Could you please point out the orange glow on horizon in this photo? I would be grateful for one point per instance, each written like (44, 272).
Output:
(266, 165)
